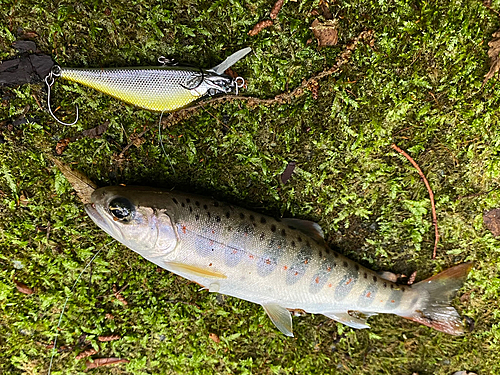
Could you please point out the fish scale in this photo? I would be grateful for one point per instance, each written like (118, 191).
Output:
(281, 264)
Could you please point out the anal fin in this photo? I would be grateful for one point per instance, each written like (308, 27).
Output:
(281, 318)
(355, 319)
(189, 269)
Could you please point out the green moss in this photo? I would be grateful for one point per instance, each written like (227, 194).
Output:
(419, 86)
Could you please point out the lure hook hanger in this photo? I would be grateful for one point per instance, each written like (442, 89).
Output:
(49, 80)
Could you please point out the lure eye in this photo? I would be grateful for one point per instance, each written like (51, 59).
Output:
(121, 209)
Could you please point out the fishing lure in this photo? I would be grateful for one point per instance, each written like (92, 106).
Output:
(165, 88)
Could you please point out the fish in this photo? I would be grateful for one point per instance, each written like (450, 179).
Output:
(164, 88)
(284, 264)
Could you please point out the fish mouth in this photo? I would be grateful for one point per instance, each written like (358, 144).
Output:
(96, 217)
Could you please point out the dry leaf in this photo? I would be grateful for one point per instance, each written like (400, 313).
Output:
(492, 221)
(97, 131)
(326, 33)
(494, 54)
(99, 362)
(61, 145)
(82, 185)
(23, 288)
(214, 337)
(287, 173)
(276, 9)
(86, 353)
(109, 338)
(259, 27)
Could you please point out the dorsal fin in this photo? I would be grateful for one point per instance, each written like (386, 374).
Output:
(307, 227)
(281, 318)
(231, 60)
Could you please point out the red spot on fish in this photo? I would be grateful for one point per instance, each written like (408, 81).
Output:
(317, 280)
(285, 267)
(306, 261)
(235, 251)
(184, 229)
(296, 273)
(268, 261)
(210, 265)
(246, 234)
(211, 242)
(213, 232)
(329, 269)
(348, 282)
(329, 285)
(392, 301)
(368, 295)
(251, 256)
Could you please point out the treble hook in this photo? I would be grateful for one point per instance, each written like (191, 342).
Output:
(49, 80)
(239, 82)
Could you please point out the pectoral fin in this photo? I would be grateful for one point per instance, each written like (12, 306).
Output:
(281, 318)
(182, 268)
(357, 321)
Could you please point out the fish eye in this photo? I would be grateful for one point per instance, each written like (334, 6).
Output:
(121, 208)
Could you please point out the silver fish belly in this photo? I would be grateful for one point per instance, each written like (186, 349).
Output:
(281, 264)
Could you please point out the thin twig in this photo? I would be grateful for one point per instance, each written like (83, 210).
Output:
(431, 196)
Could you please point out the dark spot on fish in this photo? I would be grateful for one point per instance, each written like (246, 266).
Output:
(216, 204)
(402, 289)
(283, 233)
(262, 236)
(228, 214)
(208, 213)
(205, 207)
(197, 217)
(217, 219)
(190, 209)
(242, 215)
(308, 244)
(197, 203)
(292, 227)
(320, 254)
(188, 200)
(385, 285)
(175, 201)
(392, 286)
(278, 220)
(375, 278)
(252, 218)
(273, 228)
(356, 267)
(230, 228)
(365, 275)
(299, 239)
(327, 250)
(335, 254)
(183, 204)
(263, 220)
(293, 243)
(345, 264)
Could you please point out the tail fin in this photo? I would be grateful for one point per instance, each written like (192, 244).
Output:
(440, 290)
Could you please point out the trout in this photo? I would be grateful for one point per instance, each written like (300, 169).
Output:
(281, 264)
(163, 89)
